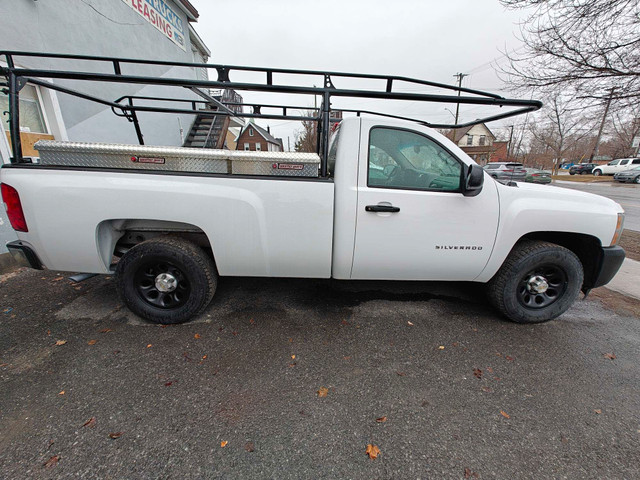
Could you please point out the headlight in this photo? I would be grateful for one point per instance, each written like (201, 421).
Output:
(618, 232)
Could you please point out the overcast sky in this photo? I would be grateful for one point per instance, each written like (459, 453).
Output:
(427, 39)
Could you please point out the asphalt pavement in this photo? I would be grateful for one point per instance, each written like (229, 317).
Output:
(426, 372)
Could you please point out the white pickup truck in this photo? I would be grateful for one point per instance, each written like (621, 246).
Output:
(385, 198)
(402, 202)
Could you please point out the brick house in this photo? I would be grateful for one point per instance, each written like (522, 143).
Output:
(480, 143)
(255, 138)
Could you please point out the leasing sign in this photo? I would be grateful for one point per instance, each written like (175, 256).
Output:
(159, 14)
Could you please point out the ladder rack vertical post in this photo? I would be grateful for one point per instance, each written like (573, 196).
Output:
(14, 117)
(326, 109)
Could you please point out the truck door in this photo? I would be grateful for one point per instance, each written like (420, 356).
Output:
(413, 222)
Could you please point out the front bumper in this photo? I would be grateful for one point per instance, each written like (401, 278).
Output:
(24, 255)
(609, 263)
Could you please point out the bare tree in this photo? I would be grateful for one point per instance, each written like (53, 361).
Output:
(560, 128)
(586, 47)
(306, 138)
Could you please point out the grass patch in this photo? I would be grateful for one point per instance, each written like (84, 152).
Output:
(583, 178)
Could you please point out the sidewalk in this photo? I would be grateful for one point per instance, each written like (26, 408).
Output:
(626, 281)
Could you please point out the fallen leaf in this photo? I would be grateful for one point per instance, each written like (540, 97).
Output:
(293, 357)
(57, 279)
(249, 447)
(598, 411)
(4, 365)
(92, 342)
(455, 344)
(373, 451)
(508, 358)
(223, 443)
(234, 333)
(196, 336)
(252, 322)
(168, 384)
(106, 330)
(61, 393)
(441, 347)
(291, 340)
(52, 462)
(410, 324)
(291, 365)
(381, 419)
(487, 389)
(115, 435)
(477, 373)
(344, 322)
(468, 473)
(204, 357)
(48, 332)
(400, 374)
(149, 346)
(323, 392)
(610, 356)
(504, 414)
(489, 369)
(347, 358)
(91, 423)
(61, 342)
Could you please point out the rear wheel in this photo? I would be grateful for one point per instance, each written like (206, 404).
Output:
(537, 282)
(637, 179)
(166, 280)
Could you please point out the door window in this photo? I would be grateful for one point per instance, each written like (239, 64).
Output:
(408, 160)
(624, 162)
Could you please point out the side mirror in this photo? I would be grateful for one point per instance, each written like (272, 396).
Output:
(473, 181)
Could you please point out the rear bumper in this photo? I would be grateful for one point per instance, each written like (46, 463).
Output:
(610, 261)
(24, 255)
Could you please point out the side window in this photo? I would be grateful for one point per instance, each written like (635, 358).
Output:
(409, 160)
(624, 162)
(636, 161)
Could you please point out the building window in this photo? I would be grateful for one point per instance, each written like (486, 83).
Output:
(251, 132)
(246, 146)
(258, 146)
(482, 139)
(469, 140)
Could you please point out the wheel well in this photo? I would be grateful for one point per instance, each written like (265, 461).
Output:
(116, 237)
(586, 247)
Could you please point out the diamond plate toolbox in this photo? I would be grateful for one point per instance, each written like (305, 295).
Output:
(177, 159)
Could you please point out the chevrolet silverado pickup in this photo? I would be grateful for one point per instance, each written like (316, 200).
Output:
(390, 200)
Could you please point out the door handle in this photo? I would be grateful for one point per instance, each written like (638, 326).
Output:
(381, 208)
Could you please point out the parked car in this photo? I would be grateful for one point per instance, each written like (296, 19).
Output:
(535, 175)
(582, 169)
(506, 171)
(616, 166)
(632, 176)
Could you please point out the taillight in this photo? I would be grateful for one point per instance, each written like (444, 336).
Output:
(13, 206)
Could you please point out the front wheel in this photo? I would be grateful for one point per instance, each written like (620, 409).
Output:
(166, 280)
(597, 173)
(538, 282)
(637, 179)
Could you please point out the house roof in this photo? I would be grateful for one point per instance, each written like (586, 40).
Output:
(461, 132)
(263, 133)
(189, 9)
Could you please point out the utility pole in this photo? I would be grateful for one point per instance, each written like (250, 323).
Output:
(604, 118)
(460, 77)
(288, 143)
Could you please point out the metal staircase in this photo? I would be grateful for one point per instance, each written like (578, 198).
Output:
(207, 132)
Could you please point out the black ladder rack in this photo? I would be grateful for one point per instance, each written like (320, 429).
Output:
(126, 106)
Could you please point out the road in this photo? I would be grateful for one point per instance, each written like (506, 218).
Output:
(627, 195)
(458, 392)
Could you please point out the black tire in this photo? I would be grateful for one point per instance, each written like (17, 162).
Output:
(637, 179)
(597, 173)
(189, 274)
(509, 288)
(571, 173)
(584, 173)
